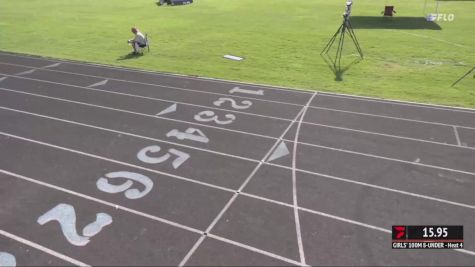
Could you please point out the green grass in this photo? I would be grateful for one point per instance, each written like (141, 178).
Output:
(280, 39)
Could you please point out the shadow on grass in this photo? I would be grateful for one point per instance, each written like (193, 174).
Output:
(395, 23)
(130, 55)
(336, 68)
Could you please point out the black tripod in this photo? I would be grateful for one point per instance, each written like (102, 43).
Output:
(344, 29)
(465, 75)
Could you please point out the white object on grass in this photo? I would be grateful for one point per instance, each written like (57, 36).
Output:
(233, 57)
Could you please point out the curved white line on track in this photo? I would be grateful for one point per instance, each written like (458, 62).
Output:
(294, 184)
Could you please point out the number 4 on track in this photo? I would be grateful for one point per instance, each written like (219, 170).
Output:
(190, 134)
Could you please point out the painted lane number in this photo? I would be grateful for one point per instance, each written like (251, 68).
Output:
(104, 185)
(244, 104)
(65, 215)
(181, 156)
(208, 115)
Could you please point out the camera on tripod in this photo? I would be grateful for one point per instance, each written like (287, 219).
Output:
(347, 13)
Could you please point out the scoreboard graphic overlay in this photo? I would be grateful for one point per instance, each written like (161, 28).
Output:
(427, 237)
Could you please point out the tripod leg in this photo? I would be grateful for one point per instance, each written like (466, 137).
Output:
(332, 40)
(355, 40)
(339, 50)
(461, 78)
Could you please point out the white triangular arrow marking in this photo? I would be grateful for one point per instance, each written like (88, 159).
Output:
(3, 78)
(170, 109)
(52, 65)
(279, 152)
(26, 72)
(99, 83)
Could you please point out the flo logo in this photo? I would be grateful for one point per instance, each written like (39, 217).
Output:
(441, 17)
(399, 232)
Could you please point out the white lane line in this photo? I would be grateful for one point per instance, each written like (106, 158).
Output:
(337, 218)
(384, 158)
(268, 163)
(3, 78)
(399, 102)
(241, 132)
(385, 135)
(314, 107)
(325, 147)
(280, 88)
(42, 248)
(198, 231)
(233, 198)
(100, 201)
(251, 114)
(457, 137)
(309, 123)
(150, 84)
(129, 134)
(118, 162)
(191, 251)
(142, 214)
(25, 72)
(146, 97)
(392, 118)
(238, 131)
(138, 113)
(294, 184)
(379, 187)
(260, 251)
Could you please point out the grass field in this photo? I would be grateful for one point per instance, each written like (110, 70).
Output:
(281, 40)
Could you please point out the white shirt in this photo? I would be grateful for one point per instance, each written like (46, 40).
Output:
(139, 38)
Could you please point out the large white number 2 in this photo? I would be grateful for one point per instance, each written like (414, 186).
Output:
(103, 184)
(66, 217)
(7, 259)
(181, 156)
(244, 104)
(208, 115)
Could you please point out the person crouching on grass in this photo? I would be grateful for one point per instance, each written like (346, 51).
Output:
(138, 41)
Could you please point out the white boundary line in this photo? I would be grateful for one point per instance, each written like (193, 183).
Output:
(42, 248)
(215, 127)
(294, 183)
(398, 102)
(394, 118)
(235, 195)
(276, 165)
(282, 88)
